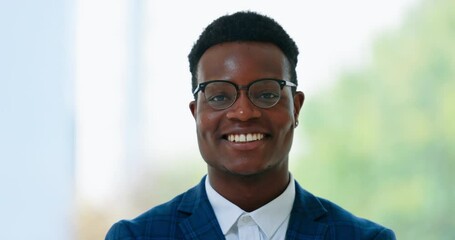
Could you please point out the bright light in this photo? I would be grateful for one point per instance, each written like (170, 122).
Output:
(331, 35)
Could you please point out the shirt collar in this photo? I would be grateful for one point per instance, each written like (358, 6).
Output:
(268, 217)
(226, 212)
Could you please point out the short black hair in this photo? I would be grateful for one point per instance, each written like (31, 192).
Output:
(243, 26)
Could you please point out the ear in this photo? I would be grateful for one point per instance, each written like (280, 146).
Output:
(299, 98)
(193, 107)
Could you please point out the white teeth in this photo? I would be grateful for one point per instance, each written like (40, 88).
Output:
(249, 137)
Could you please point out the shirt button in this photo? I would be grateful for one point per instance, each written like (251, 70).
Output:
(246, 219)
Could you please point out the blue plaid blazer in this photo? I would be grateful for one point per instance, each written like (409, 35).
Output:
(190, 216)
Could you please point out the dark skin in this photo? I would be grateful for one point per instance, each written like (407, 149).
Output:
(249, 174)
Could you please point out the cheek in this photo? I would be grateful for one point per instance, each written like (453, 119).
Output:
(286, 111)
(283, 121)
(285, 134)
(207, 122)
(285, 124)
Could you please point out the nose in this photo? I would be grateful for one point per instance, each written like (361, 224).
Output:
(243, 109)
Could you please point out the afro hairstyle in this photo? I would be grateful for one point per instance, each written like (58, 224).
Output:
(243, 26)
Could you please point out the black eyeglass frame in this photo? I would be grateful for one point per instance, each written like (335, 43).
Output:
(201, 87)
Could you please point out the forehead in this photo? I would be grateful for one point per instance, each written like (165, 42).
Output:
(242, 61)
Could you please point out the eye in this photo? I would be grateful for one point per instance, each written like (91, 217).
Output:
(221, 97)
(268, 95)
(265, 91)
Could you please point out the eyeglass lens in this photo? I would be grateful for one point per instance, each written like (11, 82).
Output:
(263, 94)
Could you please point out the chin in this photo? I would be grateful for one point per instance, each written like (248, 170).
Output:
(247, 170)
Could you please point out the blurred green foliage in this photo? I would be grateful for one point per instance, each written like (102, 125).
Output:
(381, 141)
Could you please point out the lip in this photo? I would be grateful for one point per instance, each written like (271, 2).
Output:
(249, 137)
(236, 131)
(243, 146)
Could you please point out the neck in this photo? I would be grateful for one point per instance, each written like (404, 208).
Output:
(252, 191)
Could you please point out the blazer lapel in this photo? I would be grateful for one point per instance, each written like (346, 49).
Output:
(303, 223)
(201, 222)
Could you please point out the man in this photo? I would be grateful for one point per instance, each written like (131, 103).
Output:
(246, 108)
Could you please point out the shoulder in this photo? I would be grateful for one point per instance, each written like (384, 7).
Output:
(337, 221)
(344, 225)
(156, 220)
(160, 221)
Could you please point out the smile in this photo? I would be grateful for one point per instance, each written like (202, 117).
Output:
(249, 137)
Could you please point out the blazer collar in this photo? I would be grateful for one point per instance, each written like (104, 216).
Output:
(201, 222)
(306, 211)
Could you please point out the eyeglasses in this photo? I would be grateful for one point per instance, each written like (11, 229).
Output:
(263, 93)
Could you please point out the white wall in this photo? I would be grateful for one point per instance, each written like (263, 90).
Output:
(36, 119)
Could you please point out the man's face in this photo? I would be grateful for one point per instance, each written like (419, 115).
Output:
(268, 132)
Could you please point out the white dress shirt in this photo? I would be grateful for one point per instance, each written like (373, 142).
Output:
(269, 222)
